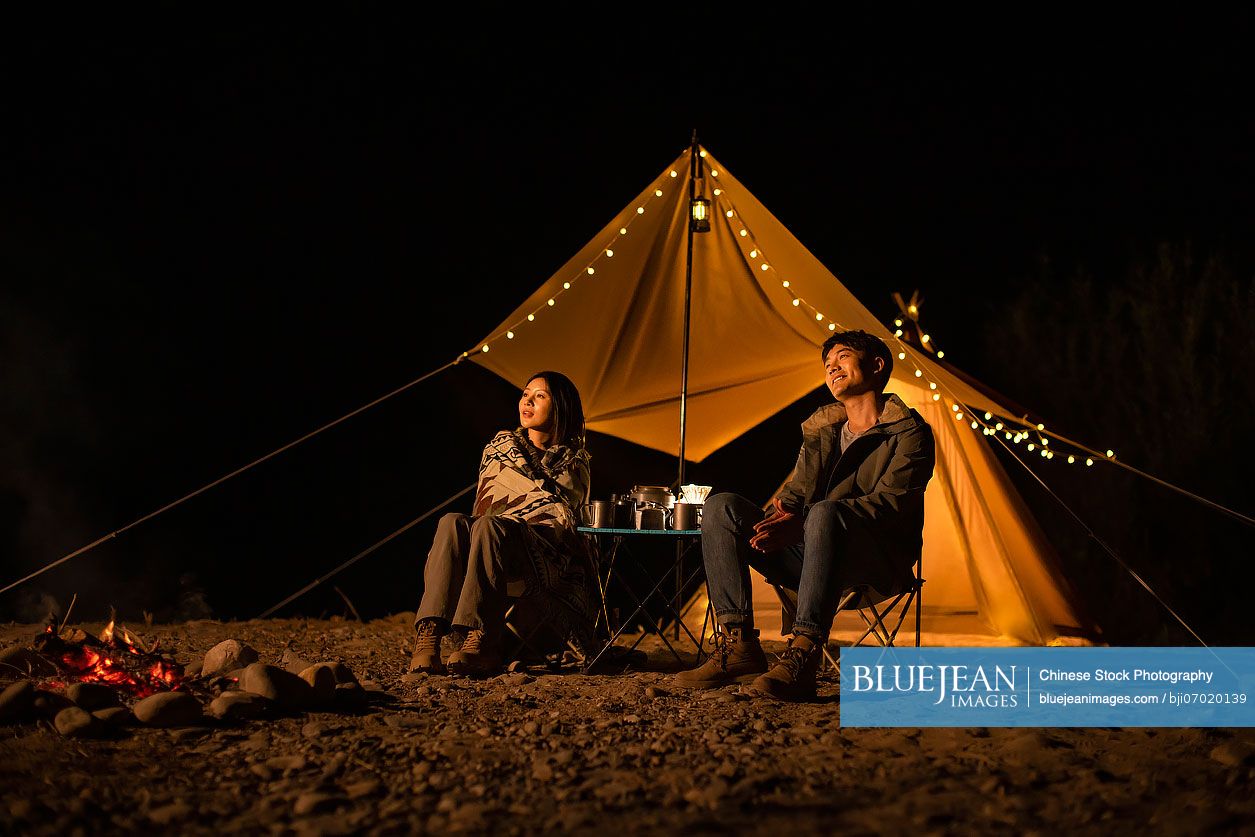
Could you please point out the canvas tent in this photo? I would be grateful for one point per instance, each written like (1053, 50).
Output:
(614, 314)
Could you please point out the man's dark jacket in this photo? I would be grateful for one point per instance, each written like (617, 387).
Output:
(880, 478)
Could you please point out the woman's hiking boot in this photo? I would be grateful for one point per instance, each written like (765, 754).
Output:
(426, 656)
(475, 658)
(736, 658)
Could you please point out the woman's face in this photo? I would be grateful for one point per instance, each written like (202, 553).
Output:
(536, 406)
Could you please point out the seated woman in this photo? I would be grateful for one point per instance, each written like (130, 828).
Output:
(521, 541)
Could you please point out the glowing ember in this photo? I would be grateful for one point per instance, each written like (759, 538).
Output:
(117, 658)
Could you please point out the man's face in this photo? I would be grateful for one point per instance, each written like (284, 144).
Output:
(844, 372)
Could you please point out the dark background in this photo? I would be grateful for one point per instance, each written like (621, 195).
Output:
(216, 236)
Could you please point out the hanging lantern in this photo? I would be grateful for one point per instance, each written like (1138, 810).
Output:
(699, 220)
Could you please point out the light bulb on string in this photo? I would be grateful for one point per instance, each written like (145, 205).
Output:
(509, 335)
(550, 302)
(1089, 462)
(609, 254)
(658, 193)
(796, 302)
(531, 317)
(785, 283)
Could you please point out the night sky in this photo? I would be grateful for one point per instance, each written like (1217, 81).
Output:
(219, 235)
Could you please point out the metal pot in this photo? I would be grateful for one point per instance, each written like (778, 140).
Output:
(656, 495)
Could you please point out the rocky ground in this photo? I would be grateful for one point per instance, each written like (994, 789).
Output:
(540, 752)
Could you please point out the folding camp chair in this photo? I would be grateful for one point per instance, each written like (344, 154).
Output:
(872, 607)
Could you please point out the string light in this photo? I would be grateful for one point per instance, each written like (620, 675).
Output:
(658, 193)
(566, 286)
(744, 233)
(509, 335)
(609, 254)
(550, 303)
(531, 317)
(785, 283)
(591, 271)
(796, 302)
(901, 355)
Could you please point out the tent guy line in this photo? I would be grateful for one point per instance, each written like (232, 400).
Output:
(222, 479)
(368, 550)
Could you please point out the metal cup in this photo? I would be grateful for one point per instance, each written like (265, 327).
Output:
(685, 516)
(599, 514)
(648, 518)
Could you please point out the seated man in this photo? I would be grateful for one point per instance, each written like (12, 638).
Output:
(852, 513)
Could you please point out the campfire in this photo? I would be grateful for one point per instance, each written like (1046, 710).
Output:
(93, 685)
(115, 658)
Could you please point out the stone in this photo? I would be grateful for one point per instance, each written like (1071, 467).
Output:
(21, 661)
(170, 814)
(92, 696)
(1233, 754)
(76, 722)
(350, 697)
(17, 701)
(118, 716)
(322, 680)
(226, 656)
(169, 709)
(286, 763)
(315, 803)
(366, 787)
(283, 687)
(48, 704)
(239, 706)
(290, 662)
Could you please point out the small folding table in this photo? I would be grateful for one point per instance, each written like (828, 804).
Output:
(614, 548)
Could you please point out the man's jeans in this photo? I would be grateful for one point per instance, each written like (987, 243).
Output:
(836, 553)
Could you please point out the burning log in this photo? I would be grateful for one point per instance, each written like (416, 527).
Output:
(115, 658)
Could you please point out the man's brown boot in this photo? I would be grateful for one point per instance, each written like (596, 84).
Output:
(426, 656)
(792, 678)
(475, 658)
(737, 658)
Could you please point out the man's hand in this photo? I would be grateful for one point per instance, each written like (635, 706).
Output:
(777, 530)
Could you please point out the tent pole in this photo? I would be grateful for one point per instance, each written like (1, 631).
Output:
(694, 171)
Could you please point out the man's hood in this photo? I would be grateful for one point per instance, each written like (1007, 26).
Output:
(895, 412)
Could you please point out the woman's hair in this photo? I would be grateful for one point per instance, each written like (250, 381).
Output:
(568, 409)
